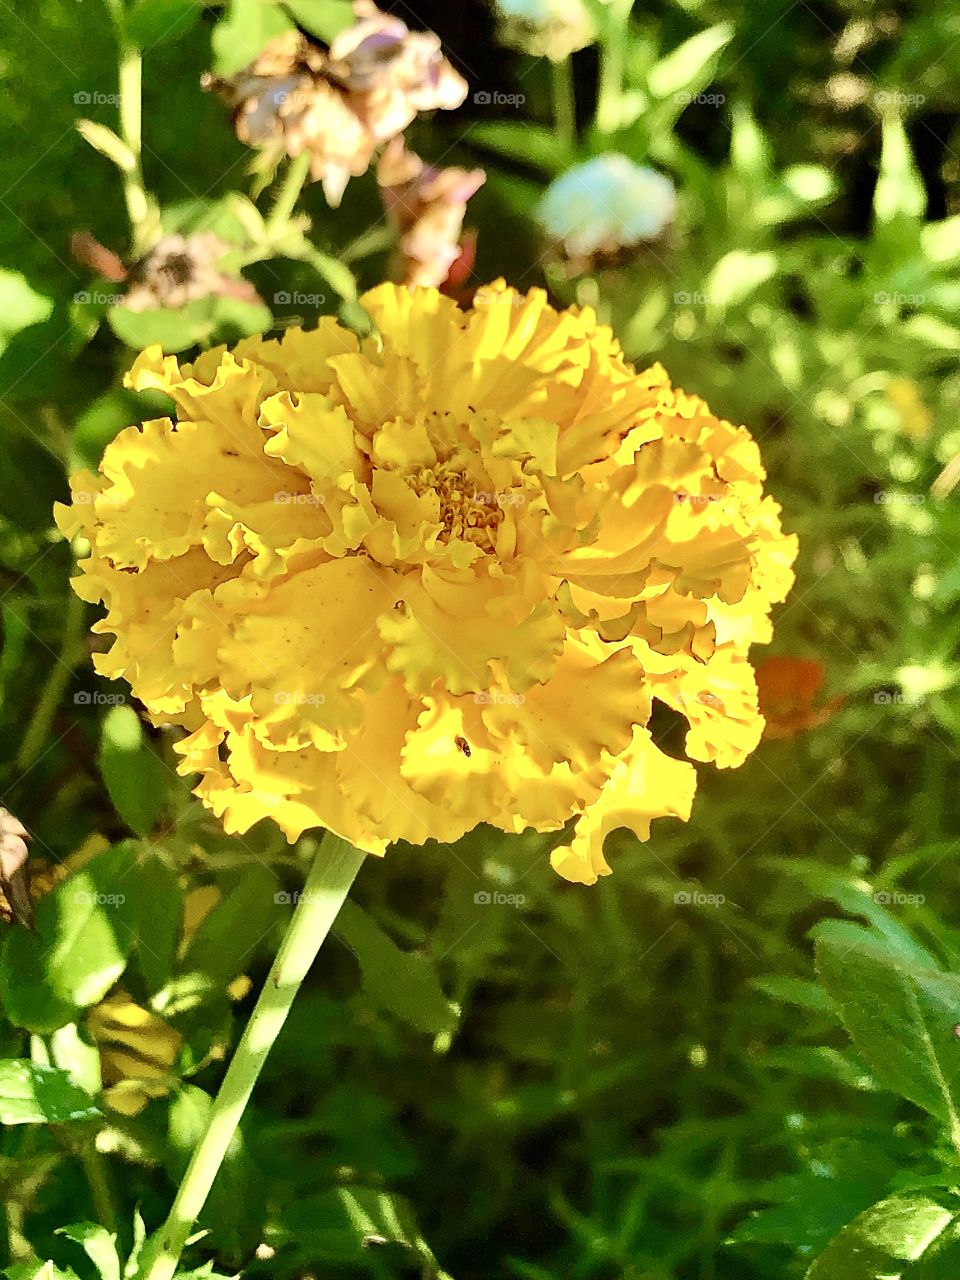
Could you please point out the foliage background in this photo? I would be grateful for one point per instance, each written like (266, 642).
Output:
(645, 1080)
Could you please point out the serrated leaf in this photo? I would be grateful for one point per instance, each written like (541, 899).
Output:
(897, 1230)
(401, 981)
(35, 1094)
(98, 1244)
(901, 1018)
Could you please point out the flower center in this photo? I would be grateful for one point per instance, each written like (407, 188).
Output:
(468, 512)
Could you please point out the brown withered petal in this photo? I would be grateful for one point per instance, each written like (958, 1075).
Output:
(340, 105)
(426, 207)
(181, 269)
(13, 867)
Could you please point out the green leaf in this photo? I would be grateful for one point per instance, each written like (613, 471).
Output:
(20, 305)
(894, 1231)
(900, 1016)
(530, 144)
(737, 275)
(247, 27)
(160, 902)
(134, 775)
(153, 22)
(198, 323)
(85, 930)
(34, 1094)
(228, 936)
(108, 144)
(337, 1225)
(690, 67)
(899, 193)
(322, 18)
(403, 982)
(99, 1246)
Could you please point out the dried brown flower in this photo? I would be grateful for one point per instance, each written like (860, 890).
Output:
(426, 207)
(340, 104)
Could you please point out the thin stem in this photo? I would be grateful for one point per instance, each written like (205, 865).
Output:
(613, 47)
(289, 193)
(333, 872)
(564, 101)
(98, 1181)
(71, 650)
(130, 85)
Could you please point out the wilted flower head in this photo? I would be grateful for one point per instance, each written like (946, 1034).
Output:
(426, 207)
(339, 104)
(401, 586)
(181, 269)
(606, 205)
(545, 28)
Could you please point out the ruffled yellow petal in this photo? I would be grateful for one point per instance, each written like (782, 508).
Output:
(402, 586)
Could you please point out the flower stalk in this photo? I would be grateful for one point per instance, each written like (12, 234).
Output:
(129, 84)
(334, 870)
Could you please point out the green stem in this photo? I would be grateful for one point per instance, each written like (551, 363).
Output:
(71, 650)
(611, 65)
(564, 101)
(130, 85)
(98, 1181)
(333, 872)
(289, 193)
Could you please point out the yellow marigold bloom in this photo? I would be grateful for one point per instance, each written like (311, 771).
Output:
(400, 586)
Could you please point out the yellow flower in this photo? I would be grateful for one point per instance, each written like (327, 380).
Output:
(401, 586)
